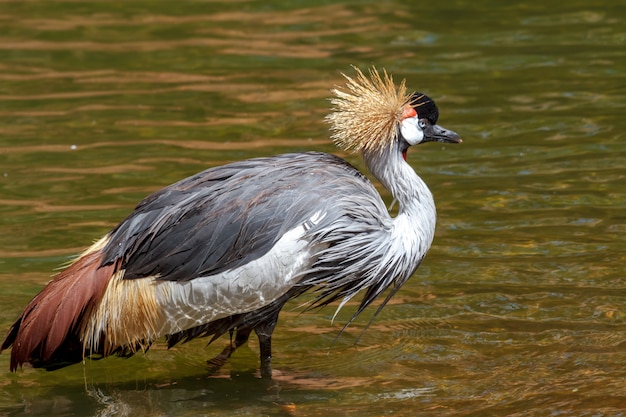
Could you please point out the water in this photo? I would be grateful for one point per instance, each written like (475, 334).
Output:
(519, 308)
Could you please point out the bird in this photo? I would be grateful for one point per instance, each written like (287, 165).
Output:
(222, 251)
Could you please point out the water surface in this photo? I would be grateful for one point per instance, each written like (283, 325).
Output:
(520, 306)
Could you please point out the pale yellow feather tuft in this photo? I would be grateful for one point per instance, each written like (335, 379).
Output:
(367, 115)
(127, 316)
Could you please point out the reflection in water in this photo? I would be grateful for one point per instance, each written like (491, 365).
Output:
(518, 309)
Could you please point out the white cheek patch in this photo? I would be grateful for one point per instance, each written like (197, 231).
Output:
(410, 131)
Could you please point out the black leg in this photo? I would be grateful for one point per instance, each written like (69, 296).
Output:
(241, 337)
(264, 333)
(263, 321)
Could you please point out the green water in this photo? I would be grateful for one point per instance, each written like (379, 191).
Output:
(519, 308)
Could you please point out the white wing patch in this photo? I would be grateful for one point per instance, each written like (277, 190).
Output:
(191, 303)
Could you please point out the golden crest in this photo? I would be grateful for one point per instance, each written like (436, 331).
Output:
(367, 114)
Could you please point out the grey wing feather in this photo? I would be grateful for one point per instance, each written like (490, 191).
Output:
(227, 216)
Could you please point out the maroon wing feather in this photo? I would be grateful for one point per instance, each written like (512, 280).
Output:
(48, 330)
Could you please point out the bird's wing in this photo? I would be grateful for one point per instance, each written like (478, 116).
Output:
(226, 216)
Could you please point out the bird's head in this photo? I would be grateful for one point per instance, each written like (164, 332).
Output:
(371, 115)
(419, 123)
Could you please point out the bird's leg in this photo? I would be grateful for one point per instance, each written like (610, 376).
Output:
(264, 333)
(241, 337)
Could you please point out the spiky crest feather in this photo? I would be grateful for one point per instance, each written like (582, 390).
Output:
(366, 117)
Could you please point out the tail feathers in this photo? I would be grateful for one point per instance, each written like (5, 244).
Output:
(47, 334)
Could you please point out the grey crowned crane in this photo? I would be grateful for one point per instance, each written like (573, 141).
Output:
(223, 250)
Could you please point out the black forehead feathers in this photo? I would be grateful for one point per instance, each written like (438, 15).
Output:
(425, 107)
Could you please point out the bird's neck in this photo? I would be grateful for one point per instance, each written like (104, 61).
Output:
(416, 205)
(397, 176)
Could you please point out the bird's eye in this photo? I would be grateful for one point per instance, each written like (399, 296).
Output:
(422, 123)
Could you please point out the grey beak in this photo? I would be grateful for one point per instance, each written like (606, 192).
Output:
(437, 133)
